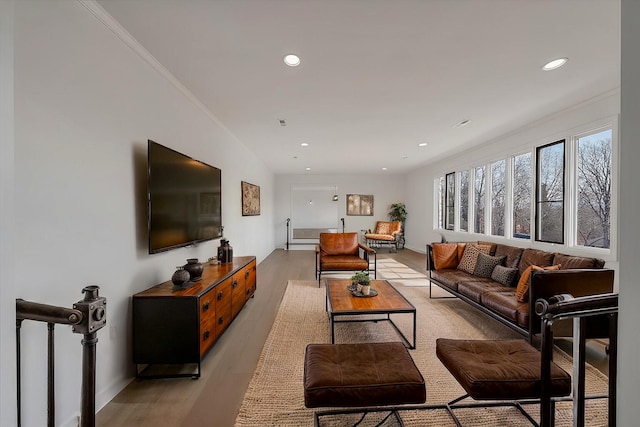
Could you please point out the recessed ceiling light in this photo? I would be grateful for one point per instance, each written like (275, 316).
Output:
(305, 144)
(556, 63)
(384, 169)
(422, 144)
(462, 123)
(308, 169)
(292, 60)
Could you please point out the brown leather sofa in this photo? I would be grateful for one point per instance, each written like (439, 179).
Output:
(343, 252)
(574, 275)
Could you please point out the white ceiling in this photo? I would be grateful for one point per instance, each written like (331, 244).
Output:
(378, 77)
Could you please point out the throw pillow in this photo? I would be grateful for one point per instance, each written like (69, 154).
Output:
(485, 264)
(470, 256)
(522, 291)
(504, 275)
(445, 255)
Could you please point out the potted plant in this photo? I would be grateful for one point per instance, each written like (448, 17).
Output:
(398, 212)
(362, 279)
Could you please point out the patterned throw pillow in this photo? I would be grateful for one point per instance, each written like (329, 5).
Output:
(470, 256)
(522, 291)
(485, 264)
(504, 275)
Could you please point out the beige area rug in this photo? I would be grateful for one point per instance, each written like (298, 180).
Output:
(394, 271)
(275, 394)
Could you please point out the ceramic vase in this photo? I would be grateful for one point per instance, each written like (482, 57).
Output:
(180, 277)
(194, 268)
(366, 289)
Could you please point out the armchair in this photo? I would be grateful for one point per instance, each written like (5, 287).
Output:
(341, 252)
(386, 232)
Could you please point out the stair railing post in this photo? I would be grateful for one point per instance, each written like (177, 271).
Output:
(93, 308)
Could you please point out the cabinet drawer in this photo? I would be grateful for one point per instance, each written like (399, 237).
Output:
(237, 293)
(207, 321)
(250, 279)
(223, 293)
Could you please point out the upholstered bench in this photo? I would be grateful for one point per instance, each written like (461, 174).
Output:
(361, 375)
(499, 370)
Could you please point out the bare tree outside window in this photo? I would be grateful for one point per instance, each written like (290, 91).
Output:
(464, 200)
(522, 196)
(498, 189)
(550, 193)
(441, 202)
(594, 190)
(478, 199)
(450, 217)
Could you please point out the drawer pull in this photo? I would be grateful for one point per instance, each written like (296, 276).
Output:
(206, 335)
(246, 274)
(205, 306)
(235, 284)
(219, 295)
(220, 320)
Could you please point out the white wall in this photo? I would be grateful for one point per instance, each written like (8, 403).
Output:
(420, 183)
(629, 243)
(386, 189)
(85, 104)
(7, 224)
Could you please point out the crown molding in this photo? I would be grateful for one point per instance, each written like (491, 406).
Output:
(116, 28)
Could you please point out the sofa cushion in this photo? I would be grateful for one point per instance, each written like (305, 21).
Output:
(535, 257)
(522, 290)
(504, 303)
(504, 275)
(568, 262)
(512, 253)
(475, 290)
(451, 277)
(470, 256)
(445, 255)
(485, 264)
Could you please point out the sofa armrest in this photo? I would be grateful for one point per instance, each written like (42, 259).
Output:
(366, 248)
(579, 282)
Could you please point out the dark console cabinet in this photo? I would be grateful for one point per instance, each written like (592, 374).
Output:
(180, 326)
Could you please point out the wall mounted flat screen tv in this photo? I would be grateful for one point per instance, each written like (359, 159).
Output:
(185, 200)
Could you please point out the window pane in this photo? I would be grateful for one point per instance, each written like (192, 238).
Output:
(522, 196)
(440, 182)
(450, 183)
(498, 187)
(478, 200)
(464, 201)
(594, 189)
(550, 193)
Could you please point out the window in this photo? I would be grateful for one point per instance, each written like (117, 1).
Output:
(550, 193)
(464, 200)
(450, 197)
(440, 188)
(593, 170)
(522, 196)
(478, 199)
(498, 190)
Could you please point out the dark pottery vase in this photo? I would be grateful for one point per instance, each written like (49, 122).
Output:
(194, 268)
(180, 277)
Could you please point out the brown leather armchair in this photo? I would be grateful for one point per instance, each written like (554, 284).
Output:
(341, 252)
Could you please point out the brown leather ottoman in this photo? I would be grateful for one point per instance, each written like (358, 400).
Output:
(361, 375)
(499, 370)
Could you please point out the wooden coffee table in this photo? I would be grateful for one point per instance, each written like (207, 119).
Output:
(341, 303)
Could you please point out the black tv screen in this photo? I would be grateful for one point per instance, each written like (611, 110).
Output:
(185, 201)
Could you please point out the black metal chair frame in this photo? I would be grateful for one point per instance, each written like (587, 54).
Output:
(557, 308)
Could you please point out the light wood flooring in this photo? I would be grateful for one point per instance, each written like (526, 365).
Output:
(214, 399)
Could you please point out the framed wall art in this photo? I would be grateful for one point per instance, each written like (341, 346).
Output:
(359, 205)
(250, 199)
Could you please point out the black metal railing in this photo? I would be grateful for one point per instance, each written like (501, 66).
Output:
(86, 317)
